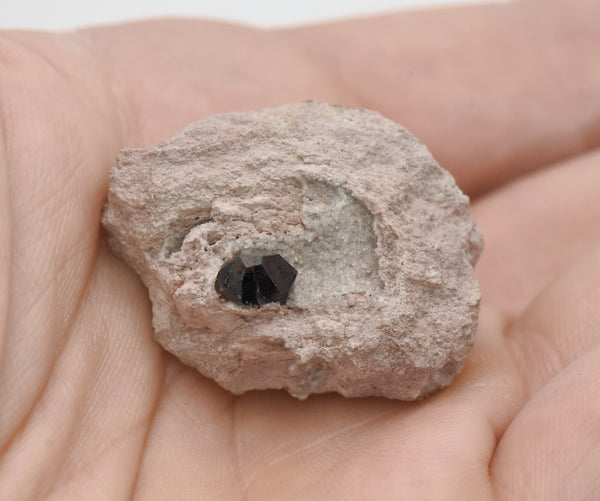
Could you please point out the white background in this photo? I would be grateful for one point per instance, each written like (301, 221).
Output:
(67, 14)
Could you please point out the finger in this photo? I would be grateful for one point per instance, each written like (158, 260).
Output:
(168, 73)
(560, 325)
(535, 228)
(511, 363)
(493, 90)
(551, 450)
(519, 369)
(507, 377)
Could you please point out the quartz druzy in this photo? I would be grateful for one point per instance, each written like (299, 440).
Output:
(256, 280)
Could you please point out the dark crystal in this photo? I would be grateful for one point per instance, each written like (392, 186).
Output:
(256, 280)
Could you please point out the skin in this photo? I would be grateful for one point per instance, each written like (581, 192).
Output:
(506, 96)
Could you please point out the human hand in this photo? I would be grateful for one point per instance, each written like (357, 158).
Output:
(91, 408)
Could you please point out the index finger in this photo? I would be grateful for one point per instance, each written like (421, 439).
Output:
(494, 91)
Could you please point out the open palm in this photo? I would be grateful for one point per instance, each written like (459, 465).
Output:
(91, 408)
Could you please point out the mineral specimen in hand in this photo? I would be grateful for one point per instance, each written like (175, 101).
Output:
(382, 240)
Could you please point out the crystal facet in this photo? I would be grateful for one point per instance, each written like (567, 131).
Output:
(256, 280)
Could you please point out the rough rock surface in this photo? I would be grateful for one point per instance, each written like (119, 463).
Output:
(384, 302)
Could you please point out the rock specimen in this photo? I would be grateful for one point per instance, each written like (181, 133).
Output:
(380, 236)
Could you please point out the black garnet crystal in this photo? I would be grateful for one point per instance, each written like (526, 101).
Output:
(255, 280)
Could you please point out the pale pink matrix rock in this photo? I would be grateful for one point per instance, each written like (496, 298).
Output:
(383, 241)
